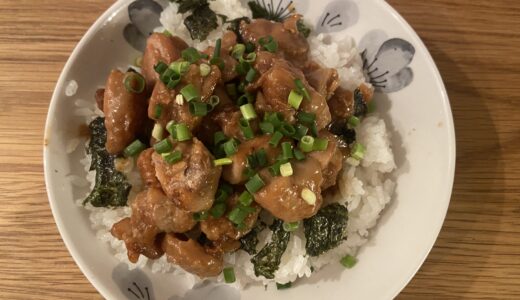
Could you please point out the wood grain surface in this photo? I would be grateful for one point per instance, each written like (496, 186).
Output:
(476, 47)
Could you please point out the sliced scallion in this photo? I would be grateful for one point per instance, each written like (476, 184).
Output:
(308, 196)
(160, 67)
(251, 75)
(182, 132)
(301, 131)
(353, 122)
(348, 261)
(244, 99)
(266, 127)
(199, 109)
(179, 99)
(358, 151)
(180, 67)
(222, 161)
(287, 150)
(306, 143)
(299, 155)
(261, 158)
(295, 99)
(157, 131)
(290, 226)
(230, 147)
(163, 146)
(213, 101)
(219, 137)
(204, 69)
(172, 157)
(157, 112)
(190, 54)
(286, 169)
(238, 51)
(268, 43)
(254, 184)
(229, 275)
(218, 210)
(305, 117)
(134, 82)
(275, 138)
(246, 129)
(218, 46)
(301, 89)
(134, 148)
(248, 111)
(245, 198)
(287, 129)
(250, 58)
(190, 93)
(320, 144)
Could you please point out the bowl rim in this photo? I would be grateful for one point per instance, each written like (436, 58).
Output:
(118, 5)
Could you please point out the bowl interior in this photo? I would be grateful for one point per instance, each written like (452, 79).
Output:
(423, 141)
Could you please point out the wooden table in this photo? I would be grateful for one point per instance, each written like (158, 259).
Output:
(476, 46)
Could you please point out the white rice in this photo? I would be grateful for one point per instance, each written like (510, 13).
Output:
(364, 187)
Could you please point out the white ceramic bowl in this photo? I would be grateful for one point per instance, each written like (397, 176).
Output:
(414, 103)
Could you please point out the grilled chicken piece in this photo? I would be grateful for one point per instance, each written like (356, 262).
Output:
(330, 159)
(152, 214)
(193, 257)
(147, 170)
(281, 196)
(324, 80)
(234, 173)
(160, 47)
(192, 182)
(343, 105)
(277, 83)
(222, 229)
(291, 43)
(125, 113)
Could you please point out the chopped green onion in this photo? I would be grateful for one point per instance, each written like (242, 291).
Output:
(200, 216)
(275, 168)
(134, 83)
(242, 86)
(268, 43)
(254, 184)
(231, 90)
(261, 157)
(251, 161)
(305, 117)
(190, 54)
(286, 169)
(218, 210)
(274, 118)
(180, 67)
(244, 99)
(229, 275)
(348, 261)
(275, 139)
(308, 196)
(213, 101)
(230, 147)
(182, 132)
(238, 51)
(221, 196)
(295, 99)
(299, 155)
(170, 127)
(246, 129)
(218, 46)
(179, 99)
(157, 131)
(248, 111)
(251, 74)
(167, 75)
(266, 127)
(204, 69)
(242, 67)
(301, 131)
(287, 150)
(190, 93)
(163, 146)
(358, 151)
(250, 58)
(167, 33)
(248, 173)
(199, 109)
(160, 67)
(222, 161)
(290, 226)
(134, 148)
(320, 144)
(301, 89)
(353, 121)
(314, 129)
(306, 143)
(238, 215)
(245, 198)
(157, 111)
(219, 137)
(173, 82)
(280, 286)
(172, 157)
(287, 129)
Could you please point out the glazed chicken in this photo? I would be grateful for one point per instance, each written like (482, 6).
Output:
(237, 130)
